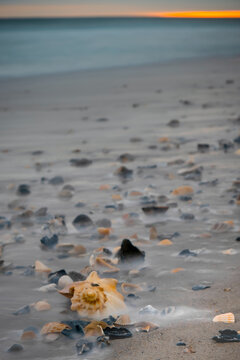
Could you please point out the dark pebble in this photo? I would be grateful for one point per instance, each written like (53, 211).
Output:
(29, 271)
(153, 210)
(173, 123)
(126, 157)
(104, 223)
(23, 310)
(37, 152)
(102, 341)
(75, 276)
(84, 346)
(80, 204)
(55, 276)
(203, 147)
(187, 252)
(4, 223)
(136, 139)
(225, 145)
(185, 102)
(80, 162)
(185, 198)
(227, 335)
(200, 287)
(210, 183)
(102, 120)
(56, 180)
(187, 216)
(117, 333)
(237, 140)
(180, 343)
(124, 172)
(82, 221)
(49, 242)
(238, 238)
(129, 252)
(41, 212)
(23, 189)
(15, 348)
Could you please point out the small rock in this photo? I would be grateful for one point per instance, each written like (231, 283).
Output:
(203, 148)
(187, 252)
(48, 288)
(84, 346)
(180, 343)
(173, 123)
(41, 212)
(129, 252)
(155, 210)
(28, 335)
(65, 194)
(117, 333)
(80, 162)
(187, 216)
(227, 335)
(124, 172)
(42, 306)
(4, 223)
(23, 189)
(49, 242)
(64, 281)
(54, 277)
(200, 287)
(23, 310)
(15, 348)
(126, 158)
(56, 180)
(82, 221)
(40, 267)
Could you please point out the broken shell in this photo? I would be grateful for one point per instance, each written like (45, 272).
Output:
(182, 190)
(104, 231)
(153, 233)
(174, 271)
(229, 252)
(95, 297)
(123, 320)
(102, 262)
(134, 288)
(42, 306)
(227, 318)
(145, 326)
(104, 187)
(78, 250)
(40, 267)
(95, 328)
(54, 327)
(165, 242)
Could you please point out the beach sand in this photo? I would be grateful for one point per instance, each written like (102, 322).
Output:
(100, 115)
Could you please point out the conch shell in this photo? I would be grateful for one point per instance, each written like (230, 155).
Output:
(95, 298)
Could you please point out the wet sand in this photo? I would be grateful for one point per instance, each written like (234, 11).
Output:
(100, 115)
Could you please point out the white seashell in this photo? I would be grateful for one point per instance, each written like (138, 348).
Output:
(48, 288)
(64, 281)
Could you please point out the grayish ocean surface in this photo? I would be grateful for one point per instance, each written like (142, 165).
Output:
(42, 46)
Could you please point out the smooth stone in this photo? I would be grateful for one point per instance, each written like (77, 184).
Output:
(75, 276)
(203, 147)
(68, 187)
(23, 189)
(126, 157)
(22, 311)
(129, 252)
(227, 335)
(48, 288)
(187, 216)
(49, 242)
(80, 204)
(187, 252)
(124, 172)
(82, 221)
(64, 281)
(15, 348)
(209, 183)
(153, 210)
(80, 162)
(185, 198)
(65, 194)
(106, 223)
(37, 152)
(4, 223)
(200, 287)
(180, 343)
(173, 123)
(55, 276)
(41, 212)
(56, 180)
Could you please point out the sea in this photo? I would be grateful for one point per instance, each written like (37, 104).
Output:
(46, 46)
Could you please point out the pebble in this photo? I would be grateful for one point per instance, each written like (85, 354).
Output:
(23, 189)
(64, 281)
(200, 287)
(82, 221)
(126, 158)
(115, 333)
(180, 343)
(23, 310)
(129, 252)
(203, 148)
(187, 216)
(48, 288)
(187, 252)
(55, 276)
(49, 242)
(56, 180)
(42, 306)
(124, 172)
(80, 162)
(227, 335)
(4, 223)
(173, 123)
(154, 210)
(15, 348)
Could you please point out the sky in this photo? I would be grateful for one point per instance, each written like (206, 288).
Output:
(63, 8)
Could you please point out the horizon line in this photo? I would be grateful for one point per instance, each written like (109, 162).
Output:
(196, 14)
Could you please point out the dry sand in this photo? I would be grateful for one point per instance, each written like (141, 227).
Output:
(58, 114)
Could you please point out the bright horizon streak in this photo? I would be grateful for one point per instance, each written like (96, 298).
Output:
(86, 10)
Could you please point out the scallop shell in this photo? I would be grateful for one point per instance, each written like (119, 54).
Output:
(95, 297)
(227, 318)
(54, 327)
(182, 190)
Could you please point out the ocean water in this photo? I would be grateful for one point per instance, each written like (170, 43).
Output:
(43, 46)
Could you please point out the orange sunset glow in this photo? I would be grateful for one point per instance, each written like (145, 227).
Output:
(219, 14)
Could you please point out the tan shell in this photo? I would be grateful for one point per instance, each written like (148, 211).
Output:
(40, 267)
(227, 318)
(42, 306)
(28, 335)
(116, 197)
(135, 193)
(78, 250)
(145, 326)
(54, 327)
(229, 252)
(176, 270)
(95, 328)
(132, 288)
(182, 190)
(102, 262)
(165, 242)
(95, 297)
(104, 231)
(153, 233)
(123, 320)
(104, 187)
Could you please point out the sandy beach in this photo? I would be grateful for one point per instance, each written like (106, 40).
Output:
(170, 118)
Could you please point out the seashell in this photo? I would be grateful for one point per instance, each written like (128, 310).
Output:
(104, 187)
(95, 297)
(163, 139)
(64, 247)
(174, 271)
(182, 190)
(104, 231)
(40, 267)
(78, 250)
(134, 288)
(229, 252)
(145, 326)
(49, 338)
(135, 193)
(47, 288)
(54, 327)
(165, 242)
(222, 227)
(64, 281)
(95, 328)
(28, 335)
(102, 262)
(153, 233)
(227, 318)
(116, 197)
(42, 306)
(123, 320)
